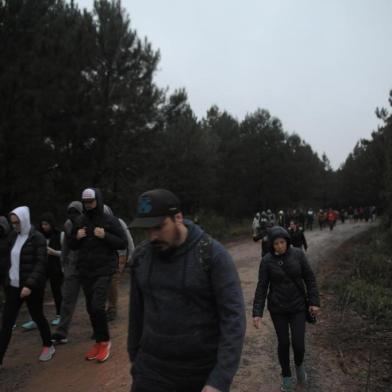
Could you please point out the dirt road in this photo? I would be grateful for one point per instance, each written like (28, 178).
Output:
(259, 370)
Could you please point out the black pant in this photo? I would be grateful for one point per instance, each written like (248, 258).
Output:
(296, 323)
(13, 302)
(56, 282)
(96, 291)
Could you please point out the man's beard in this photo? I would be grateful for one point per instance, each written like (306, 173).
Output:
(166, 248)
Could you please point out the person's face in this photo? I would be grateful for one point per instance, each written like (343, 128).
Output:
(167, 235)
(73, 214)
(15, 222)
(46, 227)
(280, 246)
(89, 204)
(293, 226)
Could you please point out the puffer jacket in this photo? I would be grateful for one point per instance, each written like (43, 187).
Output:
(33, 255)
(284, 297)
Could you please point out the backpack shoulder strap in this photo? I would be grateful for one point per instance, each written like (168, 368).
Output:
(205, 252)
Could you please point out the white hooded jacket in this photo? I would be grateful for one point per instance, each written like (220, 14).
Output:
(23, 214)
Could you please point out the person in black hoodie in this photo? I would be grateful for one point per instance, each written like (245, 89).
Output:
(187, 317)
(97, 237)
(279, 270)
(25, 282)
(55, 273)
(297, 236)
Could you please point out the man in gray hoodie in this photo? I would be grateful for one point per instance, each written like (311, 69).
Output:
(187, 317)
(71, 285)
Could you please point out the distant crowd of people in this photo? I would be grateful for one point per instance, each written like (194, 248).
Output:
(296, 221)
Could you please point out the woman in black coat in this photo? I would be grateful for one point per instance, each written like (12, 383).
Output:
(25, 281)
(283, 273)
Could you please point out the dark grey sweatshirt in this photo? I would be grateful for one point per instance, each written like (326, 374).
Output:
(185, 320)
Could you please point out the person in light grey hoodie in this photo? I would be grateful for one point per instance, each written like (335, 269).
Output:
(71, 285)
(26, 266)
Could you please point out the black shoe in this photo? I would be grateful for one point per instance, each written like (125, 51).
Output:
(57, 338)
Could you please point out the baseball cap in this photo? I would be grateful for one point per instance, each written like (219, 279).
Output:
(88, 194)
(154, 207)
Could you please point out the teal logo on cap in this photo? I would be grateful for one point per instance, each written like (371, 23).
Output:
(145, 206)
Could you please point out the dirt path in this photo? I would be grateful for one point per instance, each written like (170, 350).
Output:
(259, 369)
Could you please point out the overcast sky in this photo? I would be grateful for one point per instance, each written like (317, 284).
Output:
(321, 66)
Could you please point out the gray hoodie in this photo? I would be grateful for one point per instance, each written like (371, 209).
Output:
(69, 256)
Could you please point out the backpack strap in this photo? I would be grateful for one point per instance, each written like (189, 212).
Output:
(205, 252)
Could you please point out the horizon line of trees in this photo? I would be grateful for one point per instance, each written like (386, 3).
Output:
(80, 108)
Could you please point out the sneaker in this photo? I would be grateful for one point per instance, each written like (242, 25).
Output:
(93, 353)
(47, 354)
(57, 338)
(104, 351)
(29, 326)
(56, 321)
(287, 384)
(302, 376)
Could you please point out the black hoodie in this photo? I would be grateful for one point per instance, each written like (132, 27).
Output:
(96, 256)
(53, 240)
(283, 294)
(185, 321)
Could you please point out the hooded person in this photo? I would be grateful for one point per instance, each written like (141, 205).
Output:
(124, 256)
(26, 278)
(71, 285)
(97, 237)
(283, 271)
(262, 233)
(187, 317)
(55, 275)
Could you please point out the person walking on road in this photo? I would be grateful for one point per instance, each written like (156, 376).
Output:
(187, 313)
(26, 278)
(297, 236)
(284, 276)
(262, 232)
(332, 217)
(124, 257)
(71, 285)
(97, 237)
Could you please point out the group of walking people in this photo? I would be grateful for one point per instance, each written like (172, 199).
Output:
(89, 253)
(186, 309)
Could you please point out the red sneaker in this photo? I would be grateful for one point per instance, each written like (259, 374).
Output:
(93, 353)
(104, 351)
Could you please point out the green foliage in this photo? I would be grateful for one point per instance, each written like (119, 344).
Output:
(369, 289)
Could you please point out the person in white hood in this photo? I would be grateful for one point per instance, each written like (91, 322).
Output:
(26, 281)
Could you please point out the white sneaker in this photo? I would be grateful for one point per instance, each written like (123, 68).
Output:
(47, 354)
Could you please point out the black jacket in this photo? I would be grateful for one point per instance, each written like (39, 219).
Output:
(33, 260)
(283, 294)
(298, 239)
(98, 257)
(53, 240)
(185, 320)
